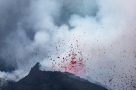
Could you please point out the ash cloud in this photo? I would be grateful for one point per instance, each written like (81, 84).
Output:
(36, 30)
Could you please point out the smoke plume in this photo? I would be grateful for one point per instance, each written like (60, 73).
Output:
(97, 35)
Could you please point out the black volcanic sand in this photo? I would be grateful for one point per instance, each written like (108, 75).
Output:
(48, 80)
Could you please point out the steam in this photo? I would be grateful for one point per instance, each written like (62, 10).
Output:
(43, 30)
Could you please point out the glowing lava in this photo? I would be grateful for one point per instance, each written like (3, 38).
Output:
(76, 65)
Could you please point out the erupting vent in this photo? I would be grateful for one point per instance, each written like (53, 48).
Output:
(73, 63)
(76, 65)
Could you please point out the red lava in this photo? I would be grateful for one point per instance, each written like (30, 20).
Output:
(72, 62)
(75, 66)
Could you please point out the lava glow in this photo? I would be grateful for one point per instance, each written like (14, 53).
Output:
(75, 65)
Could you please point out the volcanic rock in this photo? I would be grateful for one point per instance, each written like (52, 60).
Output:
(49, 80)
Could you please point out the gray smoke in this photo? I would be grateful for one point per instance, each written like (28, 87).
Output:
(41, 30)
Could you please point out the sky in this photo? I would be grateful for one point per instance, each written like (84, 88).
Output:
(94, 39)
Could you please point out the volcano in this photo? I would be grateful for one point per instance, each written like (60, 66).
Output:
(49, 80)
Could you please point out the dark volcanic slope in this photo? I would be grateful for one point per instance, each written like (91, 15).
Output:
(47, 80)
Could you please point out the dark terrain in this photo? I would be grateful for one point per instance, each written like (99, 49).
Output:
(48, 80)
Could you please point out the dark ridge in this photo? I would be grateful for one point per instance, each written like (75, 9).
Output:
(48, 80)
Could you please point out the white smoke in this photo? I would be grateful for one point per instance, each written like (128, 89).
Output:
(104, 31)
